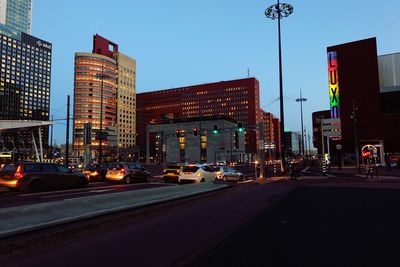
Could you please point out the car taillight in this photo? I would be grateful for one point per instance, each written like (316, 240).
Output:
(18, 173)
(95, 173)
(122, 170)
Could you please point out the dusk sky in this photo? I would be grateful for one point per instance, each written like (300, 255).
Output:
(184, 42)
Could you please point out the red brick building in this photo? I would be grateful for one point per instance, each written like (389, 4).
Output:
(238, 99)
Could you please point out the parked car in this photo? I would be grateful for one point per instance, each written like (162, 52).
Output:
(127, 172)
(96, 172)
(196, 173)
(226, 173)
(40, 176)
(171, 173)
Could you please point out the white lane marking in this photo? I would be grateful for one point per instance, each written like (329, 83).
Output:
(79, 193)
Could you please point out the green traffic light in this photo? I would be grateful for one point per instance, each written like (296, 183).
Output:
(241, 130)
(215, 131)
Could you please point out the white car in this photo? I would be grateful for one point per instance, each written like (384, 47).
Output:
(196, 173)
(226, 173)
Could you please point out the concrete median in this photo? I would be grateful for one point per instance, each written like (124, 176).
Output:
(16, 220)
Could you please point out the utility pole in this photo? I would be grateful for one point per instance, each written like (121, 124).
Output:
(354, 117)
(67, 134)
(51, 139)
(301, 100)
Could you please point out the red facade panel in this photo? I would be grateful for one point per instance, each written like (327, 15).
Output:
(238, 99)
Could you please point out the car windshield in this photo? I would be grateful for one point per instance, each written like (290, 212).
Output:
(190, 169)
(90, 167)
(116, 166)
(216, 168)
(174, 167)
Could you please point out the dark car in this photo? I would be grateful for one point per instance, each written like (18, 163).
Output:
(40, 176)
(127, 172)
(96, 172)
(171, 173)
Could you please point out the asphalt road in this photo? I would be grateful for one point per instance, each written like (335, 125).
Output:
(177, 235)
(320, 226)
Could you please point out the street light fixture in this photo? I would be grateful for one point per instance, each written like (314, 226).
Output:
(301, 100)
(101, 76)
(278, 11)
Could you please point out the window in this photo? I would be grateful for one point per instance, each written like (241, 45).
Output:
(32, 168)
(62, 169)
(49, 168)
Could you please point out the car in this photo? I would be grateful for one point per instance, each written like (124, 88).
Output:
(40, 177)
(127, 172)
(226, 173)
(96, 172)
(171, 173)
(196, 173)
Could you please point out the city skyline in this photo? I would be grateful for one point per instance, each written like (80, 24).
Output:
(178, 44)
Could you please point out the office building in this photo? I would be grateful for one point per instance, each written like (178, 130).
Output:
(104, 83)
(15, 17)
(237, 99)
(194, 140)
(25, 72)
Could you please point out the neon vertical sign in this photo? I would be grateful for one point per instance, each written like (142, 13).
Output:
(334, 100)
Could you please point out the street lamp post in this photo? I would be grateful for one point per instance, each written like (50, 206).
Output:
(101, 76)
(278, 11)
(301, 100)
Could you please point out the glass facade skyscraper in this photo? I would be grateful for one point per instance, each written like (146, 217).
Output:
(16, 15)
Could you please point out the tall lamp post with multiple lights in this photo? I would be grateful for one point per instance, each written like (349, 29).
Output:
(301, 99)
(101, 76)
(278, 11)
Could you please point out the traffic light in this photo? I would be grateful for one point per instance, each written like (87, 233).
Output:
(240, 127)
(177, 132)
(195, 131)
(215, 129)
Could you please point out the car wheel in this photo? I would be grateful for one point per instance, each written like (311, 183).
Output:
(240, 178)
(128, 179)
(202, 180)
(224, 178)
(36, 186)
(81, 183)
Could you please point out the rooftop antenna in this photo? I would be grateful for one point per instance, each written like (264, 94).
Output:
(248, 72)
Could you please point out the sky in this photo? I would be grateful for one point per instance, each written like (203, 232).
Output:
(186, 42)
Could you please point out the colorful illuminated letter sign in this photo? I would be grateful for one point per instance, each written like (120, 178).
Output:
(334, 100)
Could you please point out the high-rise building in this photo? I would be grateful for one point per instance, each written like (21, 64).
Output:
(237, 99)
(104, 83)
(16, 16)
(88, 88)
(126, 101)
(25, 67)
(269, 134)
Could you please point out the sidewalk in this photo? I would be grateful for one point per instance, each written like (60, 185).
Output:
(16, 220)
